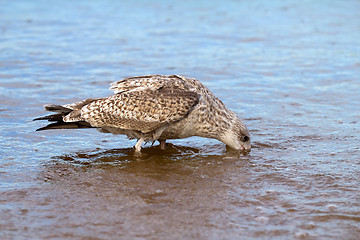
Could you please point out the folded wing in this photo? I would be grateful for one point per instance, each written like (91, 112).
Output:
(142, 111)
(152, 83)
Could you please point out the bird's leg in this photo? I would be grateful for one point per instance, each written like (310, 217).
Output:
(162, 144)
(138, 144)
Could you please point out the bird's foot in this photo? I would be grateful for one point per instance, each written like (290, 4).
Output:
(138, 145)
(162, 144)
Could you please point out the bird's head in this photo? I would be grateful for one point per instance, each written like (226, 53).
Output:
(237, 136)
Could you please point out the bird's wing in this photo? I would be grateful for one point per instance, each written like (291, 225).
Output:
(142, 111)
(151, 82)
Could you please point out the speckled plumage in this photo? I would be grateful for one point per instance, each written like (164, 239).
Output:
(155, 107)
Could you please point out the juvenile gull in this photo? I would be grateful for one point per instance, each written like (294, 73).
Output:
(155, 108)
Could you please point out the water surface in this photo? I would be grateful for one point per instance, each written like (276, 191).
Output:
(290, 70)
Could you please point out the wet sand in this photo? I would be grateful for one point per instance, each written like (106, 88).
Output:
(290, 70)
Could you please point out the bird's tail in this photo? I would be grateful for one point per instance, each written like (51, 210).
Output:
(58, 118)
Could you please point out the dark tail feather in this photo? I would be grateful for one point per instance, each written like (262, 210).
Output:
(57, 108)
(51, 118)
(58, 119)
(65, 125)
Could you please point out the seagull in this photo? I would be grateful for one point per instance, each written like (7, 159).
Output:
(154, 108)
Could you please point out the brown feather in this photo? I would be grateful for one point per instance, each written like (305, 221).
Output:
(140, 110)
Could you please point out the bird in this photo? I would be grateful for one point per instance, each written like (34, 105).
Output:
(154, 108)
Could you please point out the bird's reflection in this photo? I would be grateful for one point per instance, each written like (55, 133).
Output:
(125, 155)
(120, 177)
(152, 160)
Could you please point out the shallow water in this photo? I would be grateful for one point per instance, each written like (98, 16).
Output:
(290, 70)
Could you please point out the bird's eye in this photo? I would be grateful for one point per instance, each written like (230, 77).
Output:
(246, 138)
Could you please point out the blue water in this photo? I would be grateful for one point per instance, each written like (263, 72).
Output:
(289, 69)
